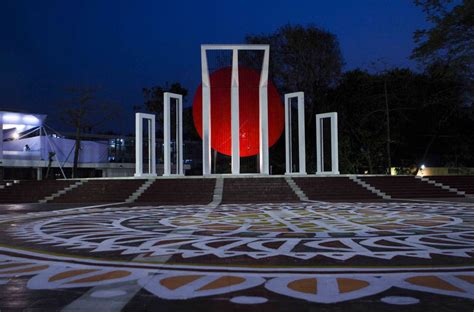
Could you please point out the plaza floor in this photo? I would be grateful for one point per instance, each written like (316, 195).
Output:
(307, 256)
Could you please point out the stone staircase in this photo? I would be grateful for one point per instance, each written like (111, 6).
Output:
(101, 191)
(370, 188)
(31, 191)
(257, 190)
(218, 191)
(460, 184)
(296, 189)
(132, 198)
(335, 189)
(62, 192)
(181, 191)
(407, 187)
(227, 190)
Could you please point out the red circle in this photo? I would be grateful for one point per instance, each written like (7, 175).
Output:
(249, 80)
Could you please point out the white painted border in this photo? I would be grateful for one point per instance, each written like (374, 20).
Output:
(270, 272)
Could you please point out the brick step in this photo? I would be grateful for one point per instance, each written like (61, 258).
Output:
(31, 191)
(334, 189)
(407, 187)
(94, 191)
(343, 195)
(257, 190)
(179, 191)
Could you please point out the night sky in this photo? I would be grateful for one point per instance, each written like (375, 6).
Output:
(123, 46)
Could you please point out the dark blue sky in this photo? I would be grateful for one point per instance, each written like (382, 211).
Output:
(123, 46)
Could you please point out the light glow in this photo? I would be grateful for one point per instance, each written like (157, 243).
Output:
(11, 118)
(18, 127)
(18, 118)
(30, 119)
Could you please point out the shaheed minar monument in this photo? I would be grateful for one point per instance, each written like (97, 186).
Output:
(255, 120)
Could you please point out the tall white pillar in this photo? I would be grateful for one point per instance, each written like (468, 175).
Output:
(179, 137)
(166, 136)
(263, 114)
(234, 113)
(152, 171)
(235, 136)
(301, 136)
(167, 133)
(206, 114)
(288, 136)
(138, 145)
(151, 148)
(334, 145)
(139, 117)
(301, 133)
(320, 146)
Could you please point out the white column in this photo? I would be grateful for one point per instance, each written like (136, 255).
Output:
(288, 148)
(320, 146)
(334, 145)
(301, 134)
(139, 117)
(263, 112)
(206, 115)
(179, 135)
(138, 145)
(153, 146)
(150, 148)
(234, 113)
(263, 157)
(166, 135)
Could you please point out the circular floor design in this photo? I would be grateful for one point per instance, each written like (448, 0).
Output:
(319, 252)
(300, 231)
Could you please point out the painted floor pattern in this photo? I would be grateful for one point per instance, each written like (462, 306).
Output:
(288, 257)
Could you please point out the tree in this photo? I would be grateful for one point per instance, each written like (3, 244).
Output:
(427, 122)
(441, 107)
(447, 50)
(154, 98)
(304, 59)
(83, 111)
(359, 101)
(153, 103)
(450, 41)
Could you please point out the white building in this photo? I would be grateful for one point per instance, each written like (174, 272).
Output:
(26, 146)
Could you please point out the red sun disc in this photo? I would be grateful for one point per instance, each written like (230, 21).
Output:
(248, 111)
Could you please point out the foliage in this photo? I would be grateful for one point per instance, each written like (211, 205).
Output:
(451, 39)
(426, 113)
(153, 98)
(84, 111)
(153, 103)
(304, 59)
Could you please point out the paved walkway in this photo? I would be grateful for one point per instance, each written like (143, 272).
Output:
(268, 257)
